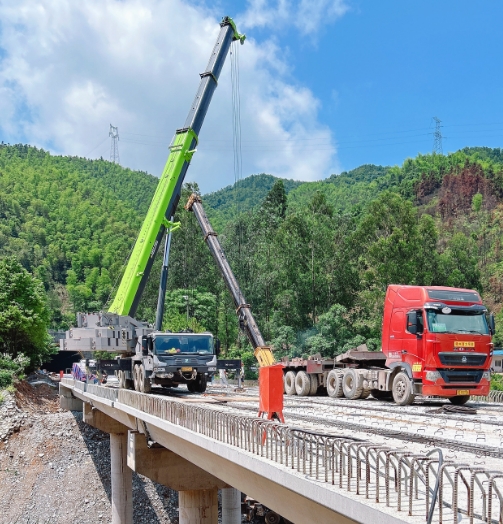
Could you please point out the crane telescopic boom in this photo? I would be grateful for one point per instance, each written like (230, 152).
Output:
(168, 191)
(247, 323)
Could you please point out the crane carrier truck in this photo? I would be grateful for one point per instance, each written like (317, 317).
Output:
(436, 341)
(147, 354)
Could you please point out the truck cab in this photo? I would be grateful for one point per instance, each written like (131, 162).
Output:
(182, 358)
(441, 337)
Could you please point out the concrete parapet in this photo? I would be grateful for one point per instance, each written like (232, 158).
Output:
(167, 468)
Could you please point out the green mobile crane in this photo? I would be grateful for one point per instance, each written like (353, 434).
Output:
(148, 355)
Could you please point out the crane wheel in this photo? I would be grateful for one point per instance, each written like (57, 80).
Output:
(302, 384)
(136, 378)
(201, 384)
(334, 384)
(289, 383)
(145, 385)
(272, 518)
(350, 384)
(365, 393)
(403, 393)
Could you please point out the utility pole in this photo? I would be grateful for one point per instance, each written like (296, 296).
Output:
(114, 144)
(437, 137)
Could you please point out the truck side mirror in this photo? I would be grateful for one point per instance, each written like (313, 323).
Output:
(217, 347)
(492, 324)
(144, 346)
(412, 322)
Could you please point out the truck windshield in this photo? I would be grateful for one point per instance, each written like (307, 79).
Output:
(457, 322)
(173, 344)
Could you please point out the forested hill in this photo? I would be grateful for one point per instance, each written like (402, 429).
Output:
(313, 258)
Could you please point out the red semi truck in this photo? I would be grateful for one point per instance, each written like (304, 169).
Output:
(436, 341)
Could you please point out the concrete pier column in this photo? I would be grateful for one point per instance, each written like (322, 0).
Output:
(198, 506)
(122, 480)
(231, 506)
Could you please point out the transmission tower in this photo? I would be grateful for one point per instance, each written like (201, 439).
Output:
(114, 144)
(437, 137)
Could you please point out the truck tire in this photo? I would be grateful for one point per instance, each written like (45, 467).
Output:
(334, 384)
(403, 393)
(459, 400)
(201, 384)
(381, 395)
(136, 378)
(365, 393)
(191, 386)
(352, 390)
(145, 384)
(302, 384)
(289, 383)
(314, 385)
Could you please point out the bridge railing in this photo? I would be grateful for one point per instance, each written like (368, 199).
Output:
(420, 484)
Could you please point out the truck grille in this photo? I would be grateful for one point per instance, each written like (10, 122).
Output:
(462, 359)
(459, 375)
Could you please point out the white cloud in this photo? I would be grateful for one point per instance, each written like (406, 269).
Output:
(308, 16)
(68, 69)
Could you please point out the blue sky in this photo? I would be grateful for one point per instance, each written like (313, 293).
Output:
(326, 85)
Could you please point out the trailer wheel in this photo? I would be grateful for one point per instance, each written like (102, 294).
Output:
(302, 384)
(350, 386)
(314, 385)
(403, 394)
(334, 384)
(381, 395)
(459, 400)
(145, 385)
(289, 383)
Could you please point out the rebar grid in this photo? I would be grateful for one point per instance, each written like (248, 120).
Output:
(411, 480)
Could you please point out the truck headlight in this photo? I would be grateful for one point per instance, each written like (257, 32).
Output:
(432, 376)
(486, 375)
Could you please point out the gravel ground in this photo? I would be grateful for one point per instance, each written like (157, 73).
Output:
(54, 468)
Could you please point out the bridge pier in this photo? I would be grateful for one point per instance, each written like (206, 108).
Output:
(231, 506)
(198, 506)
(121, 474)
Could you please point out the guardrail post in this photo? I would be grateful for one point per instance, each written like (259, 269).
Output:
(231, 506)
(122, 480)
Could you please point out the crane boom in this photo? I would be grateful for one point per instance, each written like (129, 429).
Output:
(247, 322)
(168, 191)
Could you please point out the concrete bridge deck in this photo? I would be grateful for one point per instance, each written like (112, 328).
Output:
(310, 473)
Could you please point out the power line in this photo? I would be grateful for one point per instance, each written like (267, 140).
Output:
(437, 137)
(114, 144)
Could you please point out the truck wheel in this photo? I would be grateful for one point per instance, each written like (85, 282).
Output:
(302, 384)
(334, 384)
(459, 400)
(201, 384)
(136, 378)
(350, 386)
(121, 376)
(191, 386)
(145, 385)
(381, 395)
(365, 394)
(289, 383)
(403, 394)
(314, 385)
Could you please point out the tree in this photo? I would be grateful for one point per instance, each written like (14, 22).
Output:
(24, 315)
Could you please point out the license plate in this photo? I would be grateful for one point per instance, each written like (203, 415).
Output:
(187, 368)
(212, 369)
(463, 392)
